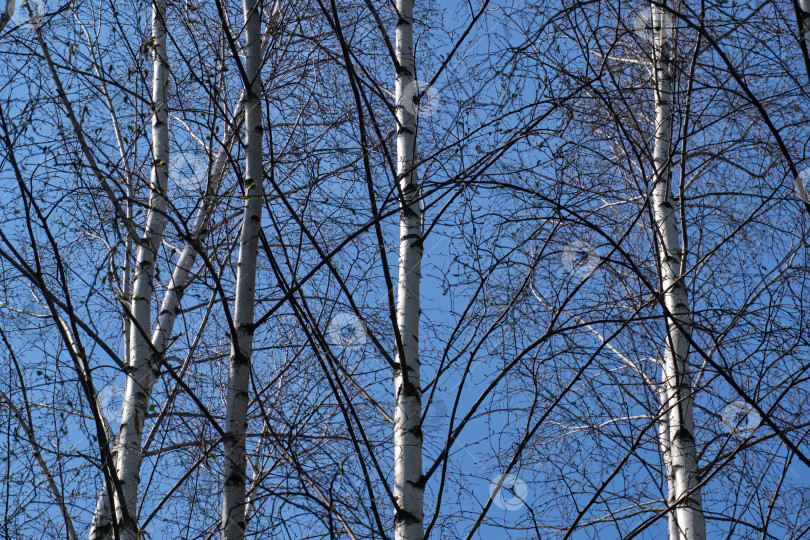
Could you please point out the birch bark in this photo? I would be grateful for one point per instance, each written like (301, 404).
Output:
(234, 520)
(161, 337)
(805, 12)
(678, 437)
(7, 13)
(142, 368)
(408, 481)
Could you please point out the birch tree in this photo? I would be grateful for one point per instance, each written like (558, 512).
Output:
(678, 439)
(142, 364)
(601, 192)
(234, 518)
(408, 482)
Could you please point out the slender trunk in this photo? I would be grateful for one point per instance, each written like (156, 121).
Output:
(161, 338)
(663, 441)
(7, 13)
(408, 482)
(680, 453)
(101, 526)
(805, 16)
(140, 363)
(233, 493)
(70, 532)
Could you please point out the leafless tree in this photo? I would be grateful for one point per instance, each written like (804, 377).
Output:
(573, 236)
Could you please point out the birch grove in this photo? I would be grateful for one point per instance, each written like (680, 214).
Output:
(573, 236)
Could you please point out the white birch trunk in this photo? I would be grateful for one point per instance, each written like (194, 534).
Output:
(805, 9)
(161, 338)
(663, 441)
(100, 528)
(680, 451)
(140, 362)
(7, 13)
(234, 520)
(101, 525)
(408, 482)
